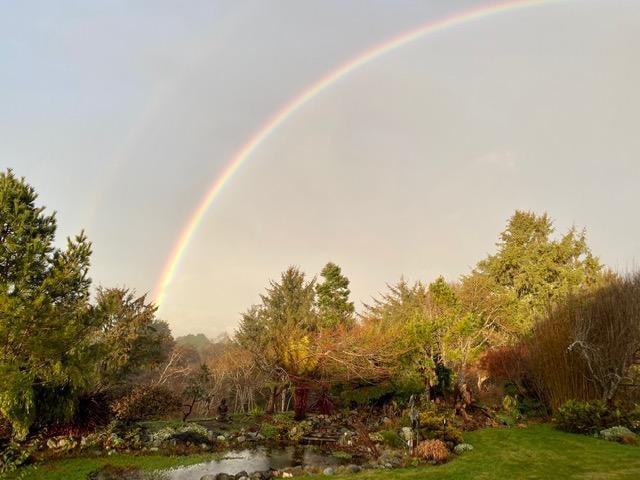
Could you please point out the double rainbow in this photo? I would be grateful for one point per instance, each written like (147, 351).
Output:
(296, 103)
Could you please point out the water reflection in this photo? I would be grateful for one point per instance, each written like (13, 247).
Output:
(259, 459)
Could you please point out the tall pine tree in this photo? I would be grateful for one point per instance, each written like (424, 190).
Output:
(44, 294)
(334, 306)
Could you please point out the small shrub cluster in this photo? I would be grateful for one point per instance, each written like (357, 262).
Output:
(463, 447)
(269, 431)
(114, 436)
(434, 451)
(14, 456)
(191, 432)
(146, 403)
(391, 438)
(590, 417)
(619, 434)
(437, 427)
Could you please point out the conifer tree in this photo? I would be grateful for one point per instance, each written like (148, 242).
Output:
(44, 294)
(334, 306)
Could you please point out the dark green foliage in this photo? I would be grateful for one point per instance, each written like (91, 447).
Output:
(392, 439)
(334, 306)
(43, 312)
(531, 270)
(129, 337)
(147, 402)
(269, 431)
(588, 417)
(380, 393)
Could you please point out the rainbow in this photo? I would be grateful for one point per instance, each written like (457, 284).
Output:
(296, 103)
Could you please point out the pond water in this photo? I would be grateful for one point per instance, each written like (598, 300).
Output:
(259, 459)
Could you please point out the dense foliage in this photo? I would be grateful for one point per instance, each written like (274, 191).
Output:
(55, 345)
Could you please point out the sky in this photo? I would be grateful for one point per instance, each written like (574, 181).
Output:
(121, 114)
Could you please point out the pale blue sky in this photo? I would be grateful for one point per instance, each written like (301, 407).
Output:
(121, 113)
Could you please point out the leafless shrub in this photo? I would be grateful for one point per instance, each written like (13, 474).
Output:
(586, 347)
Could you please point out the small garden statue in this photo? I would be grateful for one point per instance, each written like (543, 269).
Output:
(223, 411)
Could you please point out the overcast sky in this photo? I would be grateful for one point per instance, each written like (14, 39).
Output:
(121, 114)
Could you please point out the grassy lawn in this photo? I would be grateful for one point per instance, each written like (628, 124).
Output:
(538, 451)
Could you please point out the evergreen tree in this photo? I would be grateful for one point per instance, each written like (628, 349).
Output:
(129, 337)
(43, 311)
(289, 304)
(334, 306)
(531, 271)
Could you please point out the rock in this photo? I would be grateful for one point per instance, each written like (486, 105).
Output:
(208, 476)
(406, 433)
(241, 439)
(224, 476)
(220, 438)
(257, 476)
(242, 478)
(287, 475)
(354, 468)
(241, 474)
(328, 471)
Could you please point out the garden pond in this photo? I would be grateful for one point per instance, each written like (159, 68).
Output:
(261, 459)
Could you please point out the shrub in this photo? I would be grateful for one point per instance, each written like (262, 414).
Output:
(268, 431)
(189, 432)
(391, 438)
(113, 437)
(434, 451)
(463, 447)
(584, 348)
(14, 456)
(619, 434)
(586, 417)
(508, 365)
(436, 427)
(300, 430)
(146, 403)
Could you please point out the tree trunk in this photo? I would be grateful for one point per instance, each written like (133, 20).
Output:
(300, 396)
(273, 399)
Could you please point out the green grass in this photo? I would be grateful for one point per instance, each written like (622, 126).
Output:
(78, 468)
(535, 452)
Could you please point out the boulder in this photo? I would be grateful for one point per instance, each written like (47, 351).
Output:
(354, 468)
(328, 471)
(224, 476)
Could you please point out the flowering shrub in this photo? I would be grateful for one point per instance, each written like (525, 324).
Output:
(434, 451)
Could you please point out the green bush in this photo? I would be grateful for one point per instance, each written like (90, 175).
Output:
(268, 431)
(146, 403)
(587, 417)
(391, 438)
(434, 426)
